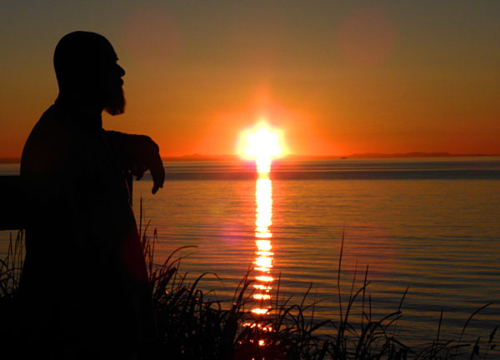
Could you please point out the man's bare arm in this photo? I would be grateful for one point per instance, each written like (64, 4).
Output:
(138, 153)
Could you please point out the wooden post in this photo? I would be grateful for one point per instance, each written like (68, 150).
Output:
(130, 182)
(12, 203)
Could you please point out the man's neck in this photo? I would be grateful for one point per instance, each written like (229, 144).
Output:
(85, 112)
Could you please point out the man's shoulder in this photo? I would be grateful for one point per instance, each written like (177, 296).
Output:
(48, 141)
(53, 117)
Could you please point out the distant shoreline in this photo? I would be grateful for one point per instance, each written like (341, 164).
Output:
(200, 157)
(10, 160)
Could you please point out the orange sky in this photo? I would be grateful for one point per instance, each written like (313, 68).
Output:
(337, 79)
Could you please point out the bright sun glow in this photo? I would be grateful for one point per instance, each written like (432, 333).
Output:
(263, 144)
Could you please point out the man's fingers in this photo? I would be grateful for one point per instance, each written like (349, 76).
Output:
(158, 173)
(147, 156)
(157, 184)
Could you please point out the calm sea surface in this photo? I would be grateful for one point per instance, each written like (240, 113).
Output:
(430, 225)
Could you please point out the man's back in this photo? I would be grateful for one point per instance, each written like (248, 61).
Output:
(84, 278)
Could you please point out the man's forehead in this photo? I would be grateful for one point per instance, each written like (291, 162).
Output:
(103, 49)
(108, 53)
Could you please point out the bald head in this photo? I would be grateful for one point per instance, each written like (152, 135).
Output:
(86, 66)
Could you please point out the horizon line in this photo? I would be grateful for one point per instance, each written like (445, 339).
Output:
(370, 155)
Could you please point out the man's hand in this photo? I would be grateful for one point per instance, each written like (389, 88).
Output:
(145, 154)
(157, 170)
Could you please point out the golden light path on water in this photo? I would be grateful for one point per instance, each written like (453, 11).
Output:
(263, 262)
(263, 144)
(264, 256)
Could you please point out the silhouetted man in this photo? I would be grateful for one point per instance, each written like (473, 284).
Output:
(84, 288)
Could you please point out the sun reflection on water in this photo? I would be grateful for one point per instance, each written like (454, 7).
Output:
(263, 144)
(264, 256)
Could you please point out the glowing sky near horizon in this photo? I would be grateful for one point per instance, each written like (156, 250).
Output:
(337, 77)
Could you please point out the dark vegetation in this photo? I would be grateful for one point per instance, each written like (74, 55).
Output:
(193, 325)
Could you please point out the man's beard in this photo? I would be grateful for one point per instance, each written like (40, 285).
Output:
(115, 102)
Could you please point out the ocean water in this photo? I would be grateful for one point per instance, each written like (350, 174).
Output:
(431, 226)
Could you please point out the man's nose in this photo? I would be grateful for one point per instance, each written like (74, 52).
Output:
(121, 72)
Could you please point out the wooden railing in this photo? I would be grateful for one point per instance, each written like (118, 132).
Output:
(13, 202)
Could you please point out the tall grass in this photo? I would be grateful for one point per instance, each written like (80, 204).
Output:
(11, 267)
(10, 274)
(194, 325)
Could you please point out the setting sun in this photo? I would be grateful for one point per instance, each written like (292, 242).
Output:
(263, 144)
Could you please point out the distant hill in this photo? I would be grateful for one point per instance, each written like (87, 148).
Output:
(416, 154)
(401, 155)
(200, 157)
